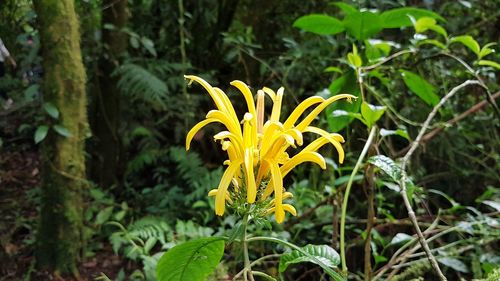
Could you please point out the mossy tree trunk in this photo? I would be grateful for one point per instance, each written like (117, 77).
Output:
(59, 240)
(106, 170)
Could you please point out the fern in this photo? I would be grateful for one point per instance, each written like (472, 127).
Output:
(141, 84)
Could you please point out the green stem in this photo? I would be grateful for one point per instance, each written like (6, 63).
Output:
(248, 272)
(346, 197)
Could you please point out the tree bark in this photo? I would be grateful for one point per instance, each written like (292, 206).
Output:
(106, 170)
(59, 239)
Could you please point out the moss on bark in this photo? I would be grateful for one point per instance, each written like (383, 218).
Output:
(59, 240)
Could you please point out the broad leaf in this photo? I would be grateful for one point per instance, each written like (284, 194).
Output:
(387, 165)
(362, 25)
(425, 23)
(41, 133)
(468, 41)
(400, 17)
(62, 130)
(344, 84)
(400, 238)
(399, 132)
(489, 63)
(191, 261)
(371, 113)
(319, 24)
(323, 253)
(346, 8)
(420, 87)
(454, 263)
(51, 110)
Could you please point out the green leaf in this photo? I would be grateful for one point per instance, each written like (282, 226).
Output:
(353, 57)
(468, 41)
(319, 24)
(149, 45)
(432, 42)
(191, 261)
(41, 133)
(344, 84)
(62, 131)
(420, 87)
(425, 23)
(346, 8)
(323, 253)
(489, 63)
(371, 113)
(332, 69)
(400, 238)
(454, 263)
(400, 17)
(104, 215)
(399, 132)
(387, 165)
(362, 25)
(486, 50)
(51, 110)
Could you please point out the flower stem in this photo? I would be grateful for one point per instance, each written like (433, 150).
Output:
(346, 197)
(247, 275)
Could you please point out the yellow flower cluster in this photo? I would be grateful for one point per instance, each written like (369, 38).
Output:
(257, 149)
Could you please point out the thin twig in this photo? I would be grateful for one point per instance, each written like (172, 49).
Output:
(404, 177)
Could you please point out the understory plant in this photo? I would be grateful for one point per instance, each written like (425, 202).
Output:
(252, 184)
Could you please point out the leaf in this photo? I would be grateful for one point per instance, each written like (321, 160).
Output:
(323, 253)
(468, 41)
(387, 165)
(332, 69)
(319, 24)
(489, 63)
(346, 8)
(425, 23)
(371, 113)
(104, 215)
(353, 57)
(486, 50)
(62, 131)
(432, 42)
(51, 109)
(493, 204)
(149, 45)
(41, 133)
(191, 261)
(454, 263)
(399, 132)
(400, 238)
(362, 25)
(420, 87)
(400, 17)
(344, 84)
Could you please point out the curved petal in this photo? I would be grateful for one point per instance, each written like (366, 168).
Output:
(220, 197)
(229, 107)
(303, 106)
(269, 92)
(247, 94)
(277, 181)
(237, 145)
(224, 118)
(304, 156)
(331, 139)
(211, 91)
(275, 114)
(310, 117)
(195, 130)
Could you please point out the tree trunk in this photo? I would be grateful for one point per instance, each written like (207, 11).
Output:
(59, 240)
(106, 170)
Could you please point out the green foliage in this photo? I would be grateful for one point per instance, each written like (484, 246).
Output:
(325, 254)
(193, 260)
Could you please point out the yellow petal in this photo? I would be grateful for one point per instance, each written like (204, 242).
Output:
(303, 156)
(289, 208)
(247, 94)
(235, 140)
(303, 106)
(229, 106)
(269, 92)
(310, 117)
(212, 192)
(277, 180)
(211, 91)
(247, 130)
(195, 129)
(296, 134)
(250, 177)
(332, 139)
(222, 117)
(260, 111)
(275, 114)
(220, 197)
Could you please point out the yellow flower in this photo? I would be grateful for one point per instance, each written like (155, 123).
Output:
(258, 160)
